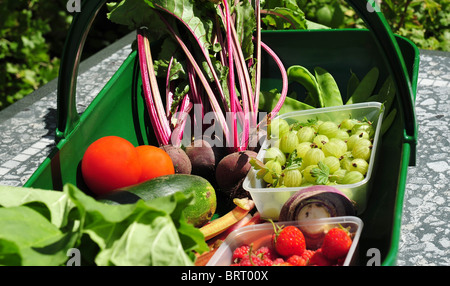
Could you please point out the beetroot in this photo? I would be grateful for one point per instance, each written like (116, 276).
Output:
(204, 158)
(180, 160)
(231, 172)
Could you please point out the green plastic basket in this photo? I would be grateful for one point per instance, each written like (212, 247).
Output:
(119, 108)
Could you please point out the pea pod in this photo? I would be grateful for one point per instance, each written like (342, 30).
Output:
(365, 88)
(375, 97)
(387, 93)
(301, 75)
(268, 100)
(387, 121)
(352, 84)
(328, 87)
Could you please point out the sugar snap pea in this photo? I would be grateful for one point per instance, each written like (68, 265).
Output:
(365, 88)
(375, 97)
(323, 91)
(387, 121)
(328, 88)
(302, 75)
(352, 83)
(386, 95)
(268, 100)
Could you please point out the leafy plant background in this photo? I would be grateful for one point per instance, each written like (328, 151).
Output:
(32, 34)
(425, 22)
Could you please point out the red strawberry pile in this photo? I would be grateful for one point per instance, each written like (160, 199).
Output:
(289, 249)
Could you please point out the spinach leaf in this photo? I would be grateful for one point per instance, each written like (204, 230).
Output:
(57, 203)
(32, 238)
(38, 227)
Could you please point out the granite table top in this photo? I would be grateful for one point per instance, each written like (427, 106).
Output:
(27, 130)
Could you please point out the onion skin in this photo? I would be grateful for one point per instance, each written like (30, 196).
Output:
(336, 202)
(331, 199)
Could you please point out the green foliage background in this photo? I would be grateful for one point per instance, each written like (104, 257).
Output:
(26, 58)
(425, 22)
(32, 34)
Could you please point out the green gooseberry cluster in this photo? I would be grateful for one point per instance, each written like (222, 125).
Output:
(317, 152)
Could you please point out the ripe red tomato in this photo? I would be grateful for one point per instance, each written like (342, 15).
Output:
(155, 162)
(110, 163)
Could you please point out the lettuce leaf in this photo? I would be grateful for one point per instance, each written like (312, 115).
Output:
(39, 227)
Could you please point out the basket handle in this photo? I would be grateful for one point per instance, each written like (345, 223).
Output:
(376, 22)
(67, 116)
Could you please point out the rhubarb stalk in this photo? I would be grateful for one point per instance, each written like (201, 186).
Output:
(219, 225)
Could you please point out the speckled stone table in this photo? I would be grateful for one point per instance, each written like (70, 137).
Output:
(27, 131)
(425, 232)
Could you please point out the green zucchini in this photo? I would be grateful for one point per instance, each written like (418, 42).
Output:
(198, 213)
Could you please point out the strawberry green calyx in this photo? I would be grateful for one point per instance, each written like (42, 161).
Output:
(288, 240)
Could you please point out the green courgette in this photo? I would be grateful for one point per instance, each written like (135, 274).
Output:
(198, 213)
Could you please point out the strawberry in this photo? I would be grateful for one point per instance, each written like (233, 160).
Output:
(340, 261)
(336, 243)
(289, 241)
(318, 259)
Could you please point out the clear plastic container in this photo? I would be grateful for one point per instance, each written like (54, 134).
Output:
(269, 201)
(260, 235)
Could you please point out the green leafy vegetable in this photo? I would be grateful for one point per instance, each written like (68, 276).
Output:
(31, 238)
(38, 227)
(283, 18)
(218, 45)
